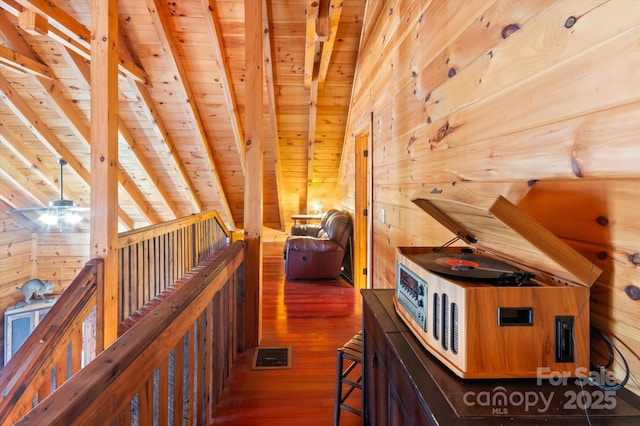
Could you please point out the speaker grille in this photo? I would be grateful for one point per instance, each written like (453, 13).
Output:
(454, 327)
(436, 316)
(445, 321)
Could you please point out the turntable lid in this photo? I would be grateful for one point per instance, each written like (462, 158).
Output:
(492, 223)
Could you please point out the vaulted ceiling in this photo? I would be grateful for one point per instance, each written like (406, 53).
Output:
(181, 104)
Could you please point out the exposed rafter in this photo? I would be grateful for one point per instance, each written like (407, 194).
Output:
(46, 136)
(273, 113)
(30, 160)
(323, 17)
(71, 33)
(164, 192)
(335, 11)
(181, 129)
(29, 187)
(311, 51)
(225, 76)
(13, 193)
(313, 111)
(84, 74)
(161, 24)
(75, 118)
(19, 62)
(163, 134)
(30, 119)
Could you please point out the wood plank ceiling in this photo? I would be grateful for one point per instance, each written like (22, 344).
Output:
(182, 103)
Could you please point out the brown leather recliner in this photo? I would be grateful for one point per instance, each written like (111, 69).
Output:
(317, 251)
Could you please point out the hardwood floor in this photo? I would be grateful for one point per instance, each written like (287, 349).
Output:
(313, 318)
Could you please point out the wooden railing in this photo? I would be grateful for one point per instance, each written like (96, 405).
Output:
(151, 259)
(53, 352)
(168, 368)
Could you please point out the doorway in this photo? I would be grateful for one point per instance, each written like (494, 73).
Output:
(362, 228)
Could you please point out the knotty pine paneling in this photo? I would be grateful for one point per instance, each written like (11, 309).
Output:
(56, 257)
(16, 263)
(500, 91)
(15, 254)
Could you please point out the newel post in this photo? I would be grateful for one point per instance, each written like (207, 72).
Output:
(253, 196)
(104, 163)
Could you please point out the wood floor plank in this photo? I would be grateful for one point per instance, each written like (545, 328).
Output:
(314, 318)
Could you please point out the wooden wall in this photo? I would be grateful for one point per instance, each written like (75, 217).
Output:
(25, 255)
(17, 262)
(509, 91)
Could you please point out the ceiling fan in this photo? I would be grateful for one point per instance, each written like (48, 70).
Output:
(60, 213)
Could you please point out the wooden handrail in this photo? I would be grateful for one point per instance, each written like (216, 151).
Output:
(153, 258)
(139, 235)
(103, 390)
(28, 372)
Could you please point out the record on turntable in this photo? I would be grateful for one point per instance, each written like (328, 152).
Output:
(469, 267)
(479, 314)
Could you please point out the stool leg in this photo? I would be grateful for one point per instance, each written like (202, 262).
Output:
(338, 399)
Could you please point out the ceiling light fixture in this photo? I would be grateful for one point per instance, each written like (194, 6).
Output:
(59, 212)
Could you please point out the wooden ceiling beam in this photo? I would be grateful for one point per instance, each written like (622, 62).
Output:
(73, 34)
(311, 43)
(33, 23)
(30, 160)
(211, 19)
(77, 121)
(75, 118)
(29, 187)
(163, 191)
(23, 63)
(311, 62)
(161, 25)
(313, 112)
(322, 26)
(334, 14)
(59, 19)
(80, 66)
(12, 193)
(159, 128)
(30, 119)
(83, 71)
(11, 6)
(137, 196)
(273, 113)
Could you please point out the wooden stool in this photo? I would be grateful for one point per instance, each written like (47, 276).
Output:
(352, 351)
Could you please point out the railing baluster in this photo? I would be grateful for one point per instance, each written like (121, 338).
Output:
(190, 374)
(163, 392)
(188, 379)
(178, 380)
(201, 393)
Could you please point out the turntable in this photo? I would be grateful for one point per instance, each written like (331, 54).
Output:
(513, 301)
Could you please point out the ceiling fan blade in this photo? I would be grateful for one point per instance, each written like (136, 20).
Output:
(28, 209)
(59, 208)
(58, 204)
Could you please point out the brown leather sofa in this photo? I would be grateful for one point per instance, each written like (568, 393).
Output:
(317, 251)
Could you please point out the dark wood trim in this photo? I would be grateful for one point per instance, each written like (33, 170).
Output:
(420, 386)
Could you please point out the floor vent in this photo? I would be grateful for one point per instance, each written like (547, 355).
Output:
(271, 358)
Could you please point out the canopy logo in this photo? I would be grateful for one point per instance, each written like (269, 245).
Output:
(577, 397)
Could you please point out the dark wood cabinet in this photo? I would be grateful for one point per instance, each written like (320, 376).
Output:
(405, 385)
